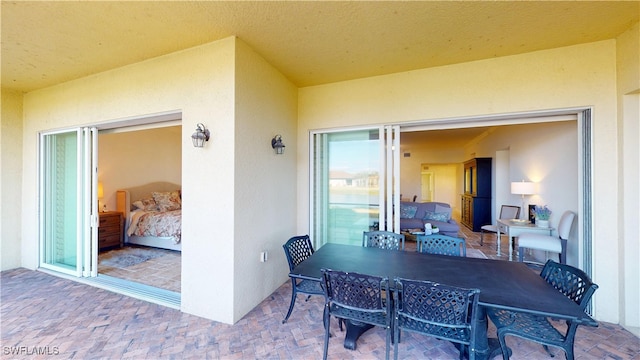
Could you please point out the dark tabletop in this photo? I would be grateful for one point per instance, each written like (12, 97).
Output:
(502, 284)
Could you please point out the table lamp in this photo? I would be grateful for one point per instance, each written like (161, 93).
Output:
(101, 196)
(523, 188)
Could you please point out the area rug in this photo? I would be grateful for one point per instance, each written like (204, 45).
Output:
(129, 256)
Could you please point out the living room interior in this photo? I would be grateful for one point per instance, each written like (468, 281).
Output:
(444, 151)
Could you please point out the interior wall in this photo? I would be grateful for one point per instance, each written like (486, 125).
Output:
(535, 156)
(502, 185)
(133, 158)
(199, 83)
(446, 179)
(582, 75)
(441, 158)
(11, 132)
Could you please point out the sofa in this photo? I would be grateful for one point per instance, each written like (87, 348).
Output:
(414, 215)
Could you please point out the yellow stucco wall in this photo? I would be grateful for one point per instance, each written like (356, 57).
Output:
(198, 83)
(628, 79)
(264, 185)
(10, 183)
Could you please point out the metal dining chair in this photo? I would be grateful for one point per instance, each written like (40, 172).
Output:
(383, 239)
(441, 245)
(438, 310)
(298, 249)
(357, 297)
(506, 212)
(574, 283)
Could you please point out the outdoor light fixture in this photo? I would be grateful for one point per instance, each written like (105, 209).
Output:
(200, 136)
(523, 188)
(277, 145)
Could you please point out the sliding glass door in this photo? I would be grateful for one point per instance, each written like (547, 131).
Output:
(352, 184)
(68, 229)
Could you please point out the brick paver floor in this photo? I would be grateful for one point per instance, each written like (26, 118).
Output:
(59, 318)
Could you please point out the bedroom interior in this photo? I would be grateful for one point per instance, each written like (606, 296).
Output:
(143, 167)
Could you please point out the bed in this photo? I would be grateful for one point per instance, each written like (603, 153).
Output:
(153, 214)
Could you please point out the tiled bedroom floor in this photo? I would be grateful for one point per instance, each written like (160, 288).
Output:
(162, 271)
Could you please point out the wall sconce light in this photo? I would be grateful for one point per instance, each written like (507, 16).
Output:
(277, 145)
(200, 136)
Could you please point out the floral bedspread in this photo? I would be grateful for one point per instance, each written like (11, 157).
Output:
(155, 223)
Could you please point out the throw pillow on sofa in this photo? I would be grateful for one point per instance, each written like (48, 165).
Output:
(436, 216)
(408, 211)
(443, 209)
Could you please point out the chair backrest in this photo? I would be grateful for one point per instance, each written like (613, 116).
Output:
(356, 291)
(297, 249)
(509, 212)
(441, 245)
(383, 239)
(446, 312)
(564, 226)
(572, 282)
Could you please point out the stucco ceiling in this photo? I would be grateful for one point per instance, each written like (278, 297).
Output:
(50, 42)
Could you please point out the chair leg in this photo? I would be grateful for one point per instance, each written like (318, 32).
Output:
(293, 302)
(548, 350)
(568, 352)
(520, 254)
(387, 346)
(503, 346)
(481, 237)
(396, 340)
(326, 318)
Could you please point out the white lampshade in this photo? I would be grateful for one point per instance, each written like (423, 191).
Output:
(523, 188)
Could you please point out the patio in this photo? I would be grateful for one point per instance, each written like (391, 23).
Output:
(48, 315)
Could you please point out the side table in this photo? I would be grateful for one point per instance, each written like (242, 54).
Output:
(110, 230)
(513, 229)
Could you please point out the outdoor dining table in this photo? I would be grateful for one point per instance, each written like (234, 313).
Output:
(502, 284)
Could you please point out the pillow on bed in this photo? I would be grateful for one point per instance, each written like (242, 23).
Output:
(167, 201)
(146, 204)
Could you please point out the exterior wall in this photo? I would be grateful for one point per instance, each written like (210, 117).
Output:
(199, 83)
(628, 80)
(231, 188)
(583, 75)
(264, 186)
(10, 185)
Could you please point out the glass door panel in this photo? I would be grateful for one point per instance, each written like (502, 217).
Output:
(66, 179)
(347, 185)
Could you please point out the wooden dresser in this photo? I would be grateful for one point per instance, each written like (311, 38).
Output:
(110, 231)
